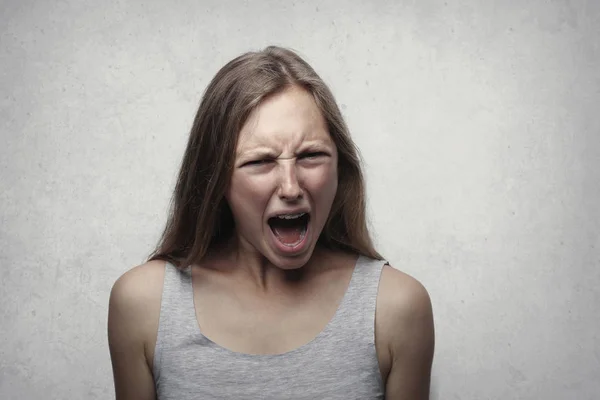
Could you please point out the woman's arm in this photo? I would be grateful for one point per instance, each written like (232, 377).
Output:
(410, 337)
(133, 312)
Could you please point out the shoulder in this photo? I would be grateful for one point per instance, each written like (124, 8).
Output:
(406, 310)
(138, 286)
(405, 327)
(142, 282)
(134, 306)
(404, 319)
(403, 296)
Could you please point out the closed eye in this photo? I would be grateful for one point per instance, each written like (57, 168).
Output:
(262, 161)
(313, 155)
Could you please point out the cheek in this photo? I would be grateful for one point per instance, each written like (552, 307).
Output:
(243, 186)
(259, 184)
(246, 194)
(323, 182)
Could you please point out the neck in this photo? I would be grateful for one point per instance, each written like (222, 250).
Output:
(245, 265)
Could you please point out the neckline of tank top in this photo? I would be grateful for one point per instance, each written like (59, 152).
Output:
(302, 349)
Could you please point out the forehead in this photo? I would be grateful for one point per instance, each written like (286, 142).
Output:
(284, 120)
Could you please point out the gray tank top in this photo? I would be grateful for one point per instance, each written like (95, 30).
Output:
(339, 363)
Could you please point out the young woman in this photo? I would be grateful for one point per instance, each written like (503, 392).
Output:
(265, 284)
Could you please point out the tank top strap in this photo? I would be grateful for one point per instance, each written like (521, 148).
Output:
(357, 309)
(177, 312)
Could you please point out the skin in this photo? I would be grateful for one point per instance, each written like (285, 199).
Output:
(285, 160)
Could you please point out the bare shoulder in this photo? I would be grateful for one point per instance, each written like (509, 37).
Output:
(138, 285)
(403, 297)
(134, 308)
(405, 329)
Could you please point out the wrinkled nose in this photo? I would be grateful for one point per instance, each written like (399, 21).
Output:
(289, 185)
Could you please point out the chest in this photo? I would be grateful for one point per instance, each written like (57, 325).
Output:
(245, 323)
(242, 322)
(338, 371)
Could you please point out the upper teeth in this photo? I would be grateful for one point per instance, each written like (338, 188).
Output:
(290, 216)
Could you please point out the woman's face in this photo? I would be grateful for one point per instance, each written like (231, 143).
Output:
(284, 179)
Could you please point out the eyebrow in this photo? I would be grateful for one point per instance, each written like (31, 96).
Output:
(267, 151)
(256, 152)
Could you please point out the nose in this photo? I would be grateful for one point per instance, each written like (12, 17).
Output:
(289, 185)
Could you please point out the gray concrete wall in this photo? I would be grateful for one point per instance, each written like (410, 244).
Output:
(478, 123)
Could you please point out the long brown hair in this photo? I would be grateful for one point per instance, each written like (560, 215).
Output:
(199, 217)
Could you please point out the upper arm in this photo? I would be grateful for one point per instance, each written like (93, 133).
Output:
(410, 337)
(133, 312)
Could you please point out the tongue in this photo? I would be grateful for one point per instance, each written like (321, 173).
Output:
(288, 235)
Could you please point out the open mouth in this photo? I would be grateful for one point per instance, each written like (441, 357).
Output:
(290, 229)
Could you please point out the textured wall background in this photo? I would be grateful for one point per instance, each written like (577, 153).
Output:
(478, 122)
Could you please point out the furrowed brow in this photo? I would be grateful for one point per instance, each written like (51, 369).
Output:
(316, 145)
(252, 154)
